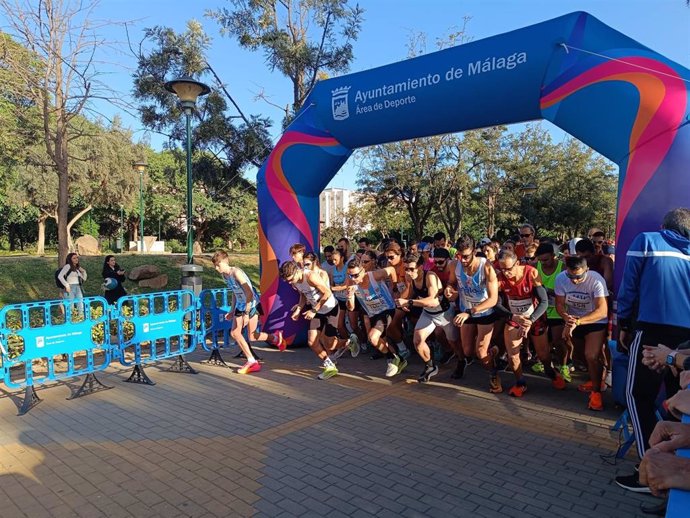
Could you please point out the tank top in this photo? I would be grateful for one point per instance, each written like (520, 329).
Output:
(422, 293)
(376, 298)
(472, 290)
(443, 276)
(520, 296)
(339, 278)
(236, 287)
(313, 295)
(549, 282)
(400, 273)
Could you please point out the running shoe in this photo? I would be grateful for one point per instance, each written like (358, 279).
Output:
(339, 353)
(249, 367)
(632, 483)
(447, 357)
(328, 372)
(280, 341)
(354, 345)
(495, 384)
(395, 366)
(565, 372)
(558, 382)
(428, 372)
(595, 402)
(538, 368)
(571, 366)
(587, 387)
(459, 371)
(517, 390)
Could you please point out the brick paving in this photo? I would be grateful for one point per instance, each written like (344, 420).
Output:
(280, 443)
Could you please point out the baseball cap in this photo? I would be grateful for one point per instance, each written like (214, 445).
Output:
(424, 247)
(571, 245)
(484, 241)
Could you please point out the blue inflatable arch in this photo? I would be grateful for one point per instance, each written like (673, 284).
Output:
(619, 97)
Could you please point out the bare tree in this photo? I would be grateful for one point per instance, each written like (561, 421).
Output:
(62, 36)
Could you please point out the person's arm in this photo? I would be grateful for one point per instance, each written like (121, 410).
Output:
(543, 304)
(661, 471)
(351, 289)
(600, 312)
(450, 292)
(316, 282)
(82, 273)
(434, 287)
(244, 282)
(62, 276)
(670, 436)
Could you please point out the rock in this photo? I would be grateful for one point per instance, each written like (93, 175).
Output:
(145, 271)
(87, 245)
(156, 283)
(196, 249)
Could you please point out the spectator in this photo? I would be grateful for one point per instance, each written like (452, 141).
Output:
(112, 270)
(72, 276)
(656, 281)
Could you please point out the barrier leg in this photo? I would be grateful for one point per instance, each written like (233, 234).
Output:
(31, 399)
(181, 365)
(254, 353)
(216, 359)
(91, 385)
(139, 376)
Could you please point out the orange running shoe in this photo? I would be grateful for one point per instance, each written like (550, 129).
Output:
(595, 402)
(558, 382)
(249, 367)
(280, 341)
(517, 390)
(587, 387)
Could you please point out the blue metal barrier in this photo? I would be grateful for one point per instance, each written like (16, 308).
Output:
(679, 500)
(153, 327)
(53, 340)
(214, 305)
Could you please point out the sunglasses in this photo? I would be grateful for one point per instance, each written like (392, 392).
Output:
(391, 257)
(354, 275)
(440, 262)
(598, 242)
(528, 258)
(508, 268)
(574, 276)
(413, 269)
(307, 265)
(365, 262)
(466, 256)
(525, 235)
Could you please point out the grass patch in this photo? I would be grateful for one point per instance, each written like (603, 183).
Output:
(28, 279)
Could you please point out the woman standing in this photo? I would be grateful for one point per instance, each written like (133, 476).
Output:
(112, 270)
(72, 276)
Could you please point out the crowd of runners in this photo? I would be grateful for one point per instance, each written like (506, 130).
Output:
(521, 304)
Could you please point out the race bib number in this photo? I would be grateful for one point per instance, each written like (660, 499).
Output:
(524, 307)
(578, 304)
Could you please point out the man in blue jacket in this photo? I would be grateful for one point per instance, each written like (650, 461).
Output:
(653, 309)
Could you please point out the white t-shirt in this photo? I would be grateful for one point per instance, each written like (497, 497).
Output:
(580, 298)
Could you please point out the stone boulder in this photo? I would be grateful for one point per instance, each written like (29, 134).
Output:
(156, 283)
(145, 271)
(87, 245)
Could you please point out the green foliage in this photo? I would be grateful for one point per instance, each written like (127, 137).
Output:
(88, 227)
(175, 246)
(303, 39)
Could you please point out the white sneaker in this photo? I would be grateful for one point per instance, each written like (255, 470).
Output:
(391, 369)
(354, 345)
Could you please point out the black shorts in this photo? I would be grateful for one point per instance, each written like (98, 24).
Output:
(554, 322)
(485, 320)
(585, 329)
(325, 322)
(256, 310)
(342, 304)
(385, 317)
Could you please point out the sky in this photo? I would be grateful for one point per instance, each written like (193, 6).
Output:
(662, 25)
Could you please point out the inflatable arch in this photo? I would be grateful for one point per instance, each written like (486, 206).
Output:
(617, 96)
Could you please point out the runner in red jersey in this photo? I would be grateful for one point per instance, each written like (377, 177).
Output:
(526, 302)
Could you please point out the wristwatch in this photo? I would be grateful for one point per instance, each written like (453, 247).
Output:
(671, 358)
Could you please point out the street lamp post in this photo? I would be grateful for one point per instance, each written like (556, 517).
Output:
(187, 90)
(122, 228)
(140, 167)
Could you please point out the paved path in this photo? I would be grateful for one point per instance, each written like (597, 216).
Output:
(280, 443)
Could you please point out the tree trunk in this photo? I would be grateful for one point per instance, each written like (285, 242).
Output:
(71, 224)
(11, 236)
(41, 243)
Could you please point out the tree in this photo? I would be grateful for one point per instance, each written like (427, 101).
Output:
(60, 35)
(302, 39)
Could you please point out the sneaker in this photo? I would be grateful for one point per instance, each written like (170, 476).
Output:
(249, 367)
(632, 483)
(447, 357)
(517, 390)
(469, 361)
(595, 402)
(587, 387)
(328, 372)
(565, 372)
(395, 366)
(558, 382)
(459, 371)
(354, 345)
(495, 384)
(571, 366)
(280, 341)
(538, 368)
(428, 372)
(608, 380)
